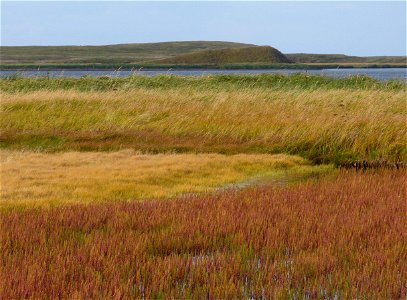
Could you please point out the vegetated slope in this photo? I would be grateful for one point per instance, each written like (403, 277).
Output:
(341, 58)
(122, 53)
(255, 54)
(339, 238)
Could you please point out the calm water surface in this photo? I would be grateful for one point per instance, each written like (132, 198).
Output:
(381, 74)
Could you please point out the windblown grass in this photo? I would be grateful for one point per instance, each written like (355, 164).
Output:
(298, 81)
(342, 238)
(36, 179)
(321, 125)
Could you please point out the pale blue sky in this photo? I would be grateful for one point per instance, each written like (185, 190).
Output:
(355, 28)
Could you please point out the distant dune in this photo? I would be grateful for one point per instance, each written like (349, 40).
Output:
(254, 54)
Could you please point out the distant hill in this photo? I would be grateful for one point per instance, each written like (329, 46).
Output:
(192, 53)
(122, 53)
(254, 54)
(341, 58)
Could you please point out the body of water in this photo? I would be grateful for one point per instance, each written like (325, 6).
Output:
(379, 73)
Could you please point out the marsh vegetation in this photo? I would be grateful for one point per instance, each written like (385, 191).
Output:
(146, 187)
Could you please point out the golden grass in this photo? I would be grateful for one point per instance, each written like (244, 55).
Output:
(320, 124)
(33, 179)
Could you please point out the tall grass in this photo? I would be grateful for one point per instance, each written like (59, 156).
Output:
(325, 126)
(340, 238)
(214, 82)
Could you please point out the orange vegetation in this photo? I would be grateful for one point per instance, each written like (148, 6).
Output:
(343, 237)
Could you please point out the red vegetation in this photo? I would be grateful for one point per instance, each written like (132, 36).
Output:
(343, 237)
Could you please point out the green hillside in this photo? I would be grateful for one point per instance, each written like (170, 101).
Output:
(254, 54)
(122, 53)
(341, 58)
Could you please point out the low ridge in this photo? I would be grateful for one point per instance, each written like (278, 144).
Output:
(254, 54)
(120, 53)
(305, 58)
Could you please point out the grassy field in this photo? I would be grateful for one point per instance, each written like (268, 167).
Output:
(321, 120)
(338, 238)
(202, 187)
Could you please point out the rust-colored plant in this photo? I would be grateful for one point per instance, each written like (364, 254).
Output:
(342, 237)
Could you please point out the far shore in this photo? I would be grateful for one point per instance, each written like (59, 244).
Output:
(134, 67)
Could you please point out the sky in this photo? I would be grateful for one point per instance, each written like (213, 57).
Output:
(351, 27)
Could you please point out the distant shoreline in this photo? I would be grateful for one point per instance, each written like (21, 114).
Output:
(114, 67)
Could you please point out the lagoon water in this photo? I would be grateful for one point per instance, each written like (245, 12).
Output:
(379, 73)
